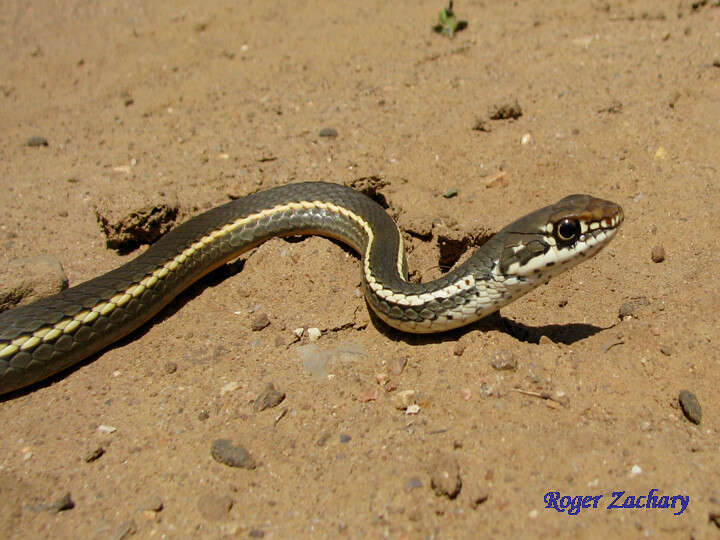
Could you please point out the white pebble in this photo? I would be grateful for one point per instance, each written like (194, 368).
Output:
(404, 399)
(102, 428)
(525, 139)
(413, 409)
(635, 470)
(314, 334)
(229, 387)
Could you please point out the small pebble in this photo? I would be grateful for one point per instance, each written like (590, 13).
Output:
(632, 307)
(102, 428)
(64, 503)
(154, 504)
(667, 350)
(94, 454)
(404, 399)
(450, 193)
(270, 397)
(459, 348)
(225, 452)
(690, 406)
(214, 507)
(259, 321)
(323, 438)
(657, 254)
(257, 533)
(627, 309)
(170, 367)
(229, 387)
(345, 438)
(37, 140)
(412, 409)
(328, 132)
(314, 334)
(503, 360)
(498, 179)
(445, 475)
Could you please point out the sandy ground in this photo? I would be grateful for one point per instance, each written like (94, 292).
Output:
(178, 102)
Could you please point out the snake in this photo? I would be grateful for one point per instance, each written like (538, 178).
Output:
(45, 337)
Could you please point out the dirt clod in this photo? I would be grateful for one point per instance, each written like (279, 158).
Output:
(445, 475)
(504, 111)
(503, 360)
(268, 398)
(142, 226)
(259, 321)
(37, 140)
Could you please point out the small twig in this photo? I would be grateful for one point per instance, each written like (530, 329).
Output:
(611, 344)
(280, 416)
(541, 395)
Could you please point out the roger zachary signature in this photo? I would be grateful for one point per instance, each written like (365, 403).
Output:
(618, 501)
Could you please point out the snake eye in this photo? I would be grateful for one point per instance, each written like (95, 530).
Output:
(567, 230)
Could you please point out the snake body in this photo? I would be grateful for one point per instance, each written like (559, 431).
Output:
(54, 333)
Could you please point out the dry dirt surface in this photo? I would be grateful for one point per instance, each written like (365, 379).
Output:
(193, 104)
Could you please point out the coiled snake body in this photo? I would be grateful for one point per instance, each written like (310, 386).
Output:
(52, 334)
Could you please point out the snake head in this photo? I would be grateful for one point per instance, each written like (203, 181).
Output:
(557, 237)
